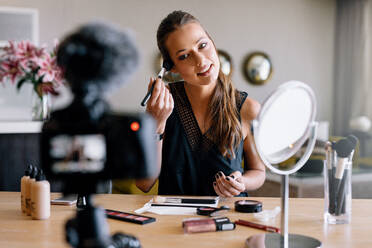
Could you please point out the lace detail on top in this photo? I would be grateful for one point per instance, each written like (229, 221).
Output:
(184, 111)
(197, 140)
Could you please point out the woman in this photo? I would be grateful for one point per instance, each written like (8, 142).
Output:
(205, 121)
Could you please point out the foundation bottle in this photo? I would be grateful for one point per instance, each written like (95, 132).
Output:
(28, 189)
(40, 197)
(24, 180)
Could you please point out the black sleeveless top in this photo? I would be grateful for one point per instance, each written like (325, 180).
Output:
(190, 160)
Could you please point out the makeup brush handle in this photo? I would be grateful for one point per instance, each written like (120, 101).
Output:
(148, 95)
(341, 193)
(336, 188)
(343, 207)
(199, 201)
(332, 190)
(331, 204)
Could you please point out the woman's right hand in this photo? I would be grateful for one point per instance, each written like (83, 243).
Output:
(160, 104)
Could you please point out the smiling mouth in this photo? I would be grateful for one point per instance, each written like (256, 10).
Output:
(206, 73)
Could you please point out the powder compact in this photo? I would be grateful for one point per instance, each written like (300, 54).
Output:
(248, 206)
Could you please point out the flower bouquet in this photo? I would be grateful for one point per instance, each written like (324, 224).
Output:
(23, 62)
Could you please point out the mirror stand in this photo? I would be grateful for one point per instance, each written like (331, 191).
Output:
(285, 240)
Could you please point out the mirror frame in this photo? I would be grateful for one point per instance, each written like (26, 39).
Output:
(308, 134)
(246, 73)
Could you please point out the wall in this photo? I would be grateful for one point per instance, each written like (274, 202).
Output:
(297, 34)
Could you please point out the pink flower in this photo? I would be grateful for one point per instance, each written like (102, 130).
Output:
(28, 50)
(10, 50)
(29, 55)
(47, 69)
(12, 69)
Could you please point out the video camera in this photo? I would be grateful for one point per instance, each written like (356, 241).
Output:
(85, 143)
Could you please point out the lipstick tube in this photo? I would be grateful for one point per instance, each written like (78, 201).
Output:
(258, 226)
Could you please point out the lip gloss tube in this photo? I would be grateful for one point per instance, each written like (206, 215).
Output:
(208, 225)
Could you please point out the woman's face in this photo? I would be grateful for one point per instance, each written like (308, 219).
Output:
(194, 55)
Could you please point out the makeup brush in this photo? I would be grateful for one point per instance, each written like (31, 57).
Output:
(333, 161)
(343, 149)
(160, 199)
(167, 66)
(328, 153)
(329, 161)
(341, 206)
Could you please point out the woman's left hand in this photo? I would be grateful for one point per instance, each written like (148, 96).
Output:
(228, 186)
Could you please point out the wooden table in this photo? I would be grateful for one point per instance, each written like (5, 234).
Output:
(305, 217)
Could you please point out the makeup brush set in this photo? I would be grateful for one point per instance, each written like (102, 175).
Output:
(337, 175)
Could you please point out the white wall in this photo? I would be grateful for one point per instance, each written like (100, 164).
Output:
(298, 35)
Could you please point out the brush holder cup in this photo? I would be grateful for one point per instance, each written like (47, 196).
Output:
(337, 192)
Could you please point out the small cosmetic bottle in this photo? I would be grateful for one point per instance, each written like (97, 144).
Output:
(40, 197)
(24, 180)
(28, 189)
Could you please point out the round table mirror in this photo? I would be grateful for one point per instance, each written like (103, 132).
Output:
(257, 68)
(286, 120)
(225, 62)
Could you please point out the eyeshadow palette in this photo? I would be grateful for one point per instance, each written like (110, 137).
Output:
(129, 217)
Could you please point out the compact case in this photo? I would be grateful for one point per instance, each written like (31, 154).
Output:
(248, 206)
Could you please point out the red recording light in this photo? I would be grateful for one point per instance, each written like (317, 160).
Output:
(134, 126)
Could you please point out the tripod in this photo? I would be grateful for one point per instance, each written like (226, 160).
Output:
(89, 229)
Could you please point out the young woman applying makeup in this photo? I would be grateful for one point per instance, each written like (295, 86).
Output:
(204, 119)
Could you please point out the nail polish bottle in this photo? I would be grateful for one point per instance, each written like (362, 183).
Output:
(40, 197)
(28, 189)
(24, 180)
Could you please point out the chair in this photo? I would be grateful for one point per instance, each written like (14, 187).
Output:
(128, 186)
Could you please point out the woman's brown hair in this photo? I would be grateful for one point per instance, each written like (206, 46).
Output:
(226, 131)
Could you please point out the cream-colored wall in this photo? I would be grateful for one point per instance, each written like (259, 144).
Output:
(297, 34)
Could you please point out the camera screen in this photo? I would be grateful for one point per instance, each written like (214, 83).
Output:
(78, 153)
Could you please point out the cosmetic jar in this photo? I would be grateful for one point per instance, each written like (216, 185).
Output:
(248, 206)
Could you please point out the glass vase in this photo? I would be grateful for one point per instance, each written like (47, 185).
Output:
(41, 106)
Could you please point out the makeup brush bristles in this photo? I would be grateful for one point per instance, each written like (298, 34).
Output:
(354, 140)
(344, 147)
(167, 65)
